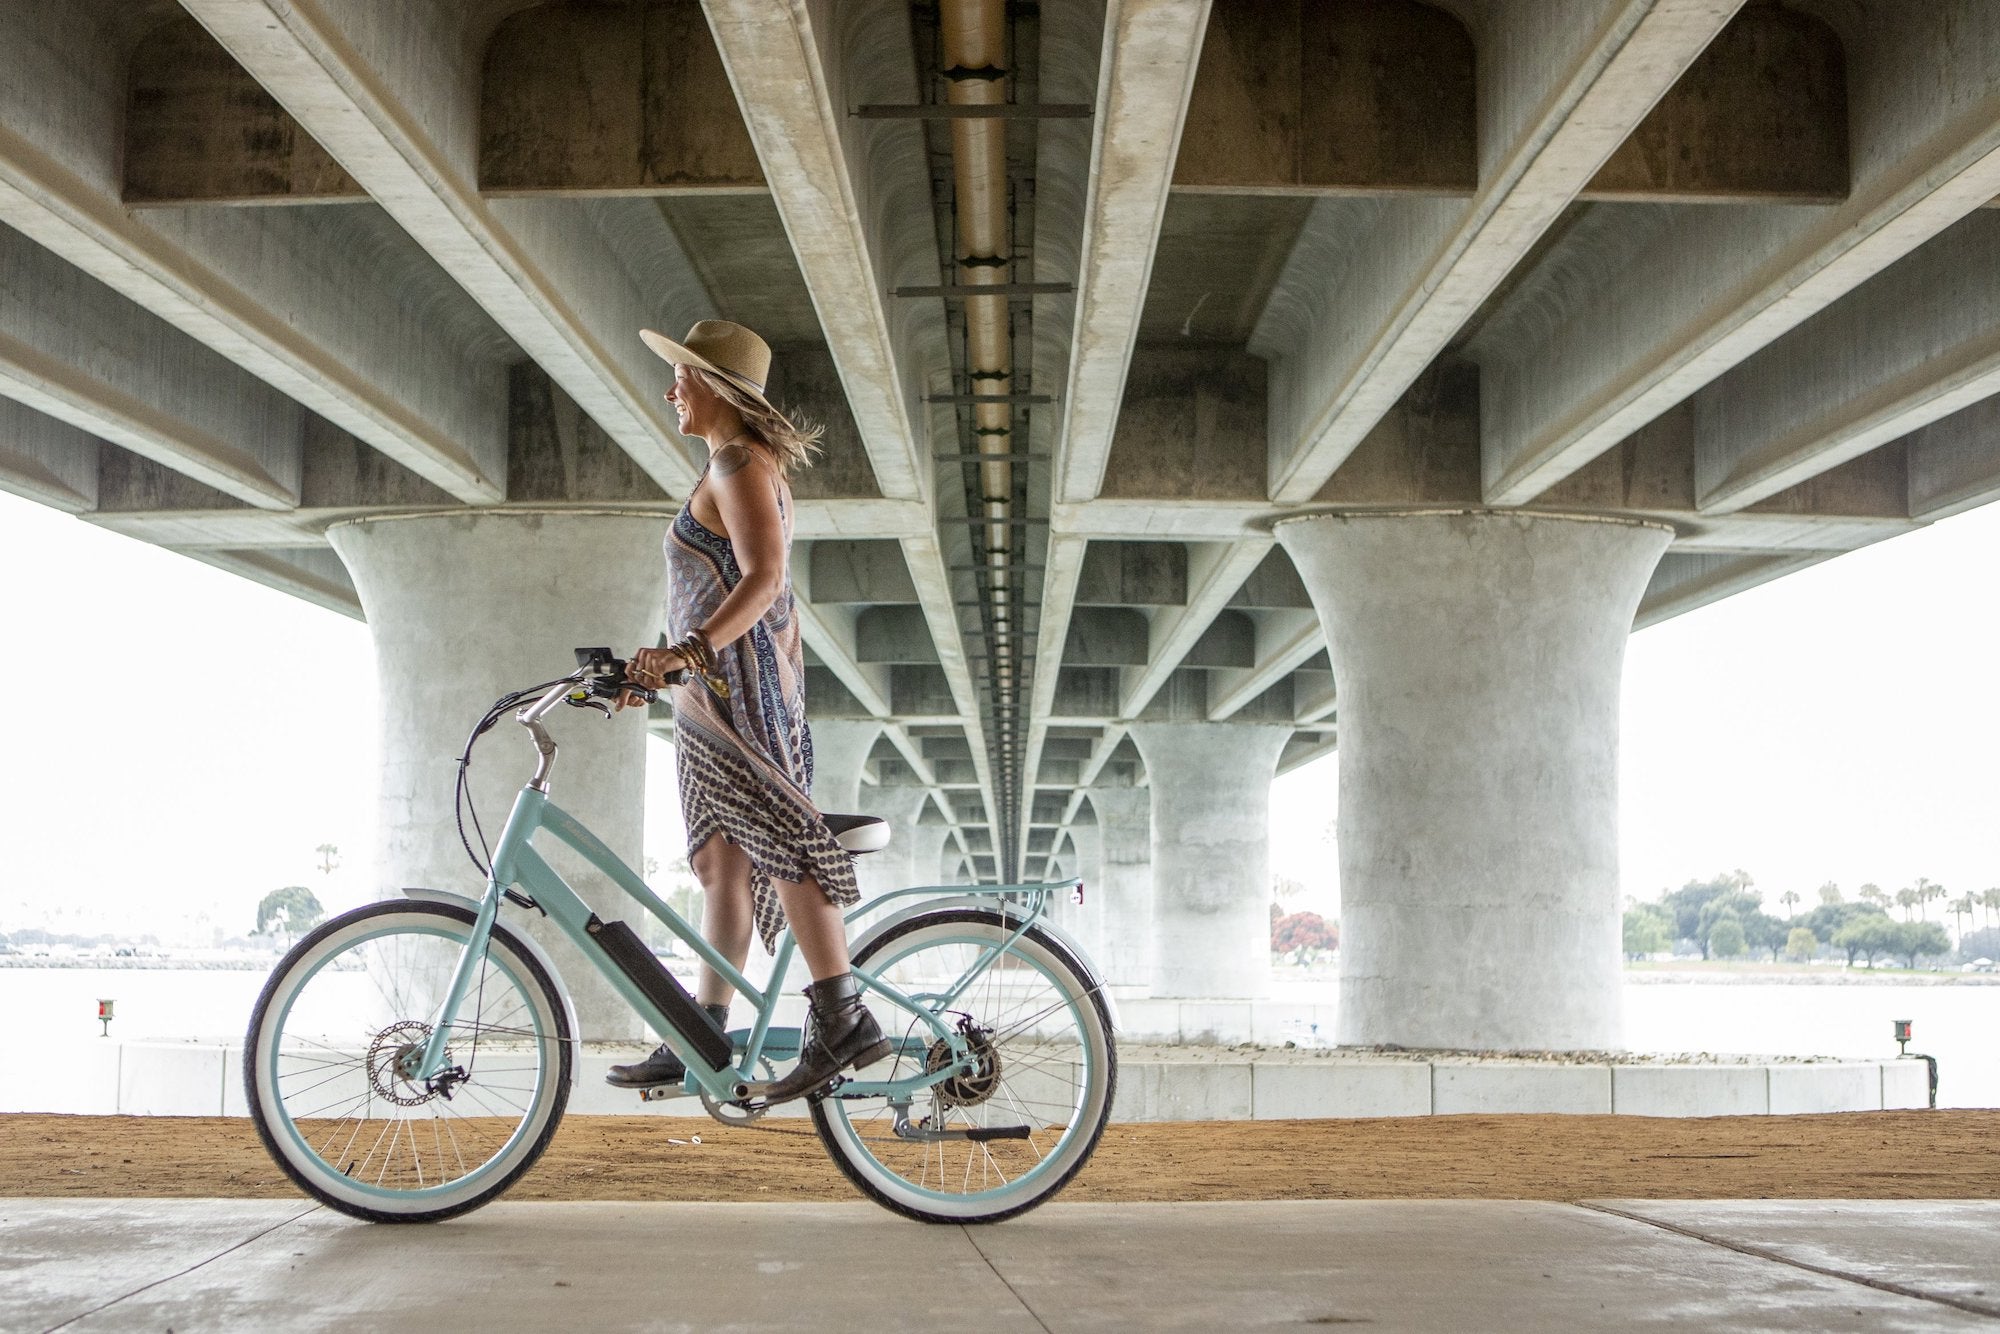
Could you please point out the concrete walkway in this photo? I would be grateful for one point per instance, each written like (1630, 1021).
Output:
(1389, 1265)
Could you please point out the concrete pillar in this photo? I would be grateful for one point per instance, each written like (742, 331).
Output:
(464, 607)
(927, 844)
(1123, 890)
(840, 752)
(894, 867)
(1084, 862)
(1211, 824)
(1477, 658)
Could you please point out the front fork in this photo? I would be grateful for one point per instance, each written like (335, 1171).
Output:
(426, 1065)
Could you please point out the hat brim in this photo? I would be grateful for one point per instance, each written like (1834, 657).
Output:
(677, 355)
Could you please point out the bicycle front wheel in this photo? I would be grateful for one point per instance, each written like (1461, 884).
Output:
(323, 1064)
(1000, 1140)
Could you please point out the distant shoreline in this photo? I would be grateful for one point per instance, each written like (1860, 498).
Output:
(74, 963)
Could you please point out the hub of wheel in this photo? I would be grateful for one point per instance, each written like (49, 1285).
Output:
(391, 1054)
(972, 1087)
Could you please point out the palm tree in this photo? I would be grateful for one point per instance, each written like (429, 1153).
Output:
(1829, 892)
(1874, 894)
(1926, 893)
(1907, 900)
(1790, 898)
(1963, 908)
(1991, 900)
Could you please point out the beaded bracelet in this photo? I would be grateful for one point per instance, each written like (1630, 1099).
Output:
(699, 655)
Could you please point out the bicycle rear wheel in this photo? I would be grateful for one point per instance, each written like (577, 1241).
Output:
(330, 1102)
(1047, 1071)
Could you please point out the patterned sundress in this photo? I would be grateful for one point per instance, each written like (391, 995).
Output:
(746, 763)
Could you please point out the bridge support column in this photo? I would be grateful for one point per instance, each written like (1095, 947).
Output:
(1211, 855)
(840, 752)
(1477, 658)
(927, 843)
(894, 867)
(463, 608)
(1123, 888)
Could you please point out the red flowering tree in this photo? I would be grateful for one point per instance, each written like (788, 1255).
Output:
(1304, 936)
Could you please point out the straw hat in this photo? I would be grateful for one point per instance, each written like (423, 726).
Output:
(730, 350)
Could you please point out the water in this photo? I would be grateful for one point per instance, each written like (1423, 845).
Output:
(51, 1022)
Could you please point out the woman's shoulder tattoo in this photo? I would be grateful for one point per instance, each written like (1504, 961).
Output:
(730, 459)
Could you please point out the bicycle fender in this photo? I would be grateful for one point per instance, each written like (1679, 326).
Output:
(985, 901)
(526, 942)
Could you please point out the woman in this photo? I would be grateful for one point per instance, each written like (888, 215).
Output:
(742, 746)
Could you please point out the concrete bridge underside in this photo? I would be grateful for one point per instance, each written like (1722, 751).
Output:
(1201, 379)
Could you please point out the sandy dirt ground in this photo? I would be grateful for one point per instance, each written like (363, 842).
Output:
(1860, 1155)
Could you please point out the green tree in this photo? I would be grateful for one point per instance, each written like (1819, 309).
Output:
(1725, 936)
(1801, 945)
(1764, 933)
(1826, 920)
(1868, 935)
(293, 910)
(1696, 905)
(1916, 940)
(1648, 930)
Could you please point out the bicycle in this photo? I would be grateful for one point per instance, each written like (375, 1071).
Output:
(439, 1090)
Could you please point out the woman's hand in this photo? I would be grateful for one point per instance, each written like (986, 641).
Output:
(650, 668)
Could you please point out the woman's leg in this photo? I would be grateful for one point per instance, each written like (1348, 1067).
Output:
(726, 919)
(816, 925)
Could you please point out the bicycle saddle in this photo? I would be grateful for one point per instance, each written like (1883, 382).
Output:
(858, 833)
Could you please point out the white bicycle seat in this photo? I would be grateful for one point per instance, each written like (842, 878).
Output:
(858, 833)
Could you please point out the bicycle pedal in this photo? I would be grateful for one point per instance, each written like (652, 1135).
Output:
(661, 1092)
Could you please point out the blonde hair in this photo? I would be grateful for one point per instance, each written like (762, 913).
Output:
(792, 444)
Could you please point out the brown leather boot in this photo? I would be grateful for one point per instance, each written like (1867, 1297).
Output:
(840, 1035)
(662, 1067)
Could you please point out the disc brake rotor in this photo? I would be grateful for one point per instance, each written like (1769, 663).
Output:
(385, 1058)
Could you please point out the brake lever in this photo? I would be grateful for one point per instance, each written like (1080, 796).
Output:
(597, 704)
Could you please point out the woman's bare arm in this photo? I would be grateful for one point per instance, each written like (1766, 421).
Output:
(743, 483)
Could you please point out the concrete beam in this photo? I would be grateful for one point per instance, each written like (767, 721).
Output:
(1284, 640)
(1913, 344)
(315, 302)
(1394, 111)
(1150, 55)
(1374, 292)
(393, 94)
(1699, 291)
(1684, 581)
(1215, 572)
(312, 574)
(1954, 463)
(46, 460)
(73, 349)
(1316, 746)
(855, 199)
(1760, 116)
(611, 99)
(199, 129)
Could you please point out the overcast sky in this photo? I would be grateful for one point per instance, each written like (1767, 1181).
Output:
(180, 740)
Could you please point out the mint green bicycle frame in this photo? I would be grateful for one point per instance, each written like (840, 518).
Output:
(516, 864)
